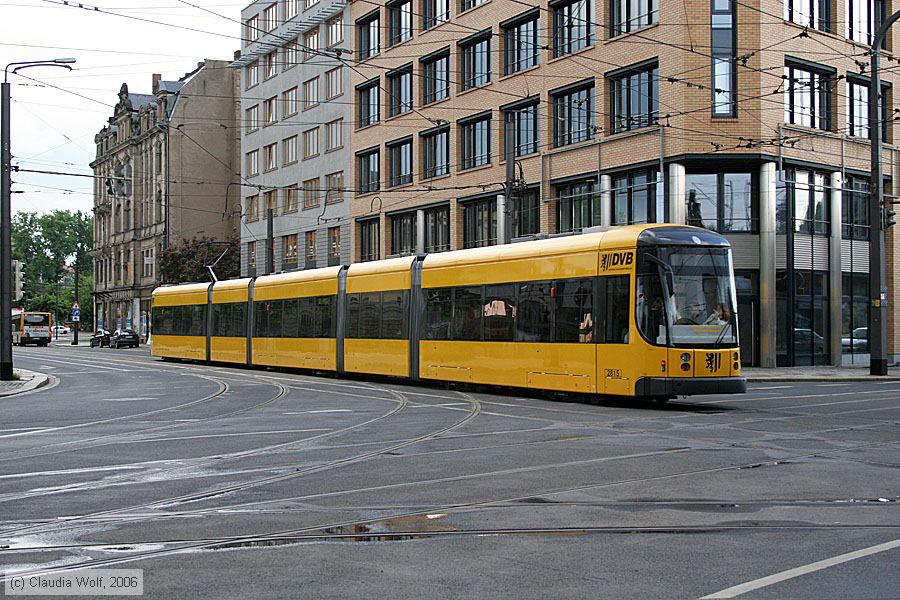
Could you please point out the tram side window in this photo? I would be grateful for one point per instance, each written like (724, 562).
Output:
(468, 308)
(376, 315)
(325, 310)
(370, 315)
(535, 312)
(290, 319)
(499, 312)
(308, 318)
(393, 315)
(352, 324)
(574, 311)
(614, 295)
(438, 312)
(261, 318)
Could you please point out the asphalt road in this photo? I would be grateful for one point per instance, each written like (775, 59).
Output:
(231, 483)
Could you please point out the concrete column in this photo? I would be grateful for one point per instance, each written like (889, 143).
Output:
(676, 193)
(501, 219)
(767, 309)
(605, 200)
(835, 268)
(420, 231)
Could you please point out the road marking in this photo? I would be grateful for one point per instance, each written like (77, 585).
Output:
(130, 399)
(218, 435)
(93, 365)
(773, 387)
(834, 384)
(798, 571)
(330, 410)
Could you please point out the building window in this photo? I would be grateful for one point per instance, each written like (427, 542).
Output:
(334, 187)
(252, 74)
(436, 77)
(863, 19)
(435, 153)
(577, 206)
(289, 98)
(334, 30)
(311, 193)
(635, 99)
(310, 43)
(809, 13)
(403, 233)
(369, 240)
(480, 223)
(369, 103)
(334, 83)
(270, 157)
(467, 4)
(307, 4)
(572, 29)
(435, 12)
(807, 97)
(629, 15)
(252, 118)
(368, 31)
(311, 143)
(270, 200)
(400, 89)
(252, 208)
(368, 171)
(291, 198)
(252, 27)
(400, 156)
(291, 54)
(270, 115)
(574, 112)
(270, 17)
(334, 245)
(252, 159)
(522, 48)
(400, 21)
(289, 148)
(437, 229)
(809, 191)
(527, 214)
(475, 56)
(310, 93)
(634, 195)
(334, 135)
(724, 76)
(289, 250)
(721, 202)
(476, 142)
(310, 249)
(524, 121)
(269, 62)
(855, 209)
(858, 109)
(291, 9)
(251, 255)
(855, 313)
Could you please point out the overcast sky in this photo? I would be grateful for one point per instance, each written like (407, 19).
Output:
(126, 41)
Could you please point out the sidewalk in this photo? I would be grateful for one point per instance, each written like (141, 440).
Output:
(28, 380)
(817, 373)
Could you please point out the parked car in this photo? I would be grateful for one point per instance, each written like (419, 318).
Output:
(806, 337)
(857, 340)
(124, 338)
(100, 338)
(61, 330)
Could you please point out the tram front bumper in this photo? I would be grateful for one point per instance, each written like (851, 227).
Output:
(689, 386)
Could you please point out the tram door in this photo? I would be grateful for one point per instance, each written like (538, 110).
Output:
(615, 356)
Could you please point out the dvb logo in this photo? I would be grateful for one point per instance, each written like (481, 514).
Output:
(612, 260)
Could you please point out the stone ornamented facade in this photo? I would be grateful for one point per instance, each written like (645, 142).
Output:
(167, 169)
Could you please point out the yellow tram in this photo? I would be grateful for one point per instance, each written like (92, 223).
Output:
(644, 310)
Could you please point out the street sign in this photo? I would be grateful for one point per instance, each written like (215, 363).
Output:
(75, 307)
(76, 318)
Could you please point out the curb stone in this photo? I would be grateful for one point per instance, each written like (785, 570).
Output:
(36, 381)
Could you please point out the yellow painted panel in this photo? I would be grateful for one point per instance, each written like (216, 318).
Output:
(179, 346)
(379, 357)
(228, 349)
(564, 367)
(181, 295)
(380, 275)
(714, 363)
(233, 290)
(299, 353)
(532, 268)
(297, 284)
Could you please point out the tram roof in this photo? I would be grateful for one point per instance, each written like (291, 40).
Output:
(185, 293)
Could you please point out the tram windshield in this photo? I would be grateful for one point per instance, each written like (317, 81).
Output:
(685, 297)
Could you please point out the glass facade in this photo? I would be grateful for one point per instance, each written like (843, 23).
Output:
(721, 202)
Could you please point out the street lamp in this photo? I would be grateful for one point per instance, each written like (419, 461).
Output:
(6, 366)
(877, 272)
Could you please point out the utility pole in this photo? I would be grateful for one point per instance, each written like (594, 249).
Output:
(509, 205)
(6, 364)
(75, 323)
(878, 302)
(270, 241)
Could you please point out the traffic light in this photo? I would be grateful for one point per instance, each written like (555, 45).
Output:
(887, 217)
(18, 280)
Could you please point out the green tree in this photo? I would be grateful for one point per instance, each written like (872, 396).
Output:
(187, 260)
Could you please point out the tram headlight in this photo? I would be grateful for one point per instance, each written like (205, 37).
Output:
(685, 367)
(735, 356)
(685, 357)
(737, 366)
